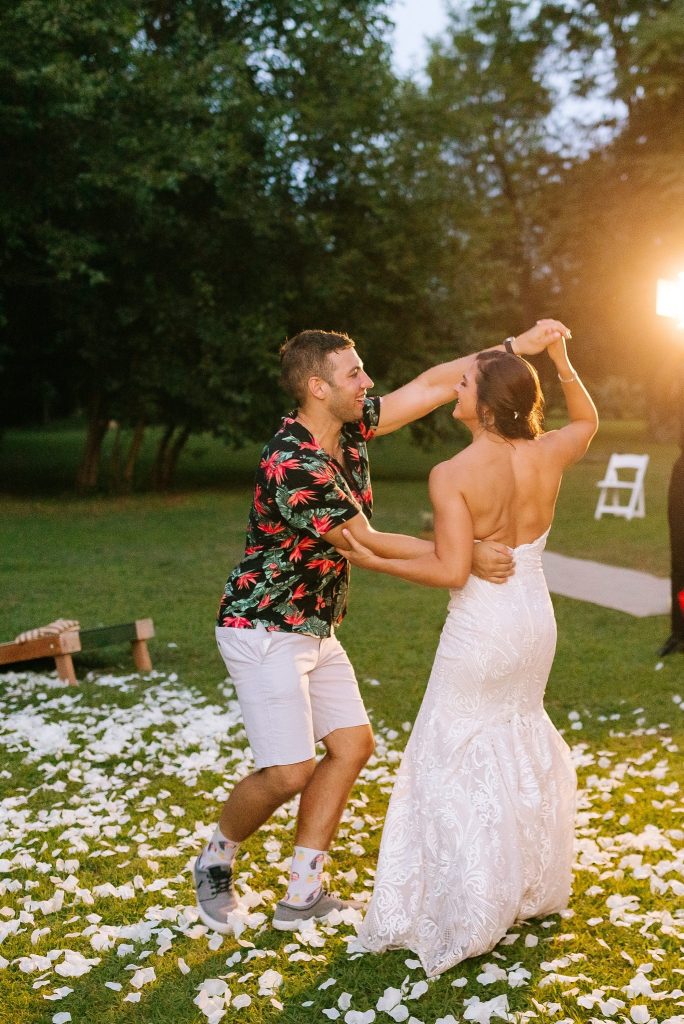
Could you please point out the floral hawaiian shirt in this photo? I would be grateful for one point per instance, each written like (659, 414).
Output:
(290, 578)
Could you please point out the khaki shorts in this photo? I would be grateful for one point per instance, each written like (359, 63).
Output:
(293, 690)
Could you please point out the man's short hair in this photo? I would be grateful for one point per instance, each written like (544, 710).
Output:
(306, 355)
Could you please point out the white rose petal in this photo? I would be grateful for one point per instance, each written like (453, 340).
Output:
(144, 976)
(268, 982)
(418, 989)
(482, 1012)
(59, 993)
(390, 998)
(399, 1013)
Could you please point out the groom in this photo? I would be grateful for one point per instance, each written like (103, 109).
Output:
(284, 601)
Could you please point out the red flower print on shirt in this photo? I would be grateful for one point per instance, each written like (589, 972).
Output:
(324, 565)
(321, 524)
(274, 469)
(301, 497)
(246, 579)
(295, 618)
(271, 528)
(322, 476)
(305, 544)
(258, 503)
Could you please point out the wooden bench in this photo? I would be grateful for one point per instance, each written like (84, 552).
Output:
(63, 645)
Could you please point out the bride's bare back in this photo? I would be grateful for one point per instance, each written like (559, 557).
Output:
(510, 487)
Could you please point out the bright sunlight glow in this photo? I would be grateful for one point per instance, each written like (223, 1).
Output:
(670, 299)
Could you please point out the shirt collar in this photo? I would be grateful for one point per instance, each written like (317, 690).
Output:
(302, 433)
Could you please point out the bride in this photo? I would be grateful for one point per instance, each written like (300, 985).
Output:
(479, 829)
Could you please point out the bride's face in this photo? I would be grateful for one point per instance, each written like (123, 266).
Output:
(465, 408)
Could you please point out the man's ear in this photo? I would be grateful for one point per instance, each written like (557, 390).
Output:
(317, 387)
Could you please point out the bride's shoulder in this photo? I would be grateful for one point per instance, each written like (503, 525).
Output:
(451, 470)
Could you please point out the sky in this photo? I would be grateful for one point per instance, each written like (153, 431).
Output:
(415, 20)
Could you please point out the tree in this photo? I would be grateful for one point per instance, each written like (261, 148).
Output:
(208, 173)
(619, 213)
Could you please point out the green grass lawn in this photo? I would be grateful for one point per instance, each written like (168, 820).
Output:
(132, 771)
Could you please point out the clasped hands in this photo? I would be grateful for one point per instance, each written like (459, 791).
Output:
(538, 338)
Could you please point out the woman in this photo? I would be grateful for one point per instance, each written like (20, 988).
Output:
(479, 830)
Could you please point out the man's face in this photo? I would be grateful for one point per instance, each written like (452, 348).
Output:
(348, 384)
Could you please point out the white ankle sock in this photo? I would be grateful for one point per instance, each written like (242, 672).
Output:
(306, 874)
(219, 850)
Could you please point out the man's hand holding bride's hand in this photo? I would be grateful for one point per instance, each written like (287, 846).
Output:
(357, 554)
(539, 337)
(492, 561)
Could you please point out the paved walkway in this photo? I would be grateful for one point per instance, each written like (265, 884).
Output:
(626, 590)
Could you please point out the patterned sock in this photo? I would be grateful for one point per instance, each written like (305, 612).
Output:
(219, 850)
(306, 874)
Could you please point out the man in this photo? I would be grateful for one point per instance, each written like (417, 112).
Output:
(675, 519)
(284, 601)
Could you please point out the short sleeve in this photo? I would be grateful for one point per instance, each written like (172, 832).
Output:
(370, 418)
(309, 497)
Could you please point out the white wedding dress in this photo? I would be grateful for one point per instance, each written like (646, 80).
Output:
(479, 829)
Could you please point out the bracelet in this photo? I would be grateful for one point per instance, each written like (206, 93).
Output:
(569, 380)
(508, 344)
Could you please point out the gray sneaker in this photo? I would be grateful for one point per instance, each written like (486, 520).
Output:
(288, 918)
(215, 895)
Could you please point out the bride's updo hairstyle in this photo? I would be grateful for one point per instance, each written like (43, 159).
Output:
(509, 398)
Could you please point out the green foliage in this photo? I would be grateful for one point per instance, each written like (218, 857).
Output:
(211, 179)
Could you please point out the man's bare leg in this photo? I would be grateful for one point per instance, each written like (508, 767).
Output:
(256, 797)
(320, 808)
(325, 795)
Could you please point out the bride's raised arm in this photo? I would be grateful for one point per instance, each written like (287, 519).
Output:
(571, 441)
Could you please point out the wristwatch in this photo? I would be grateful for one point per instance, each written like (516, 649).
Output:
(508, 344)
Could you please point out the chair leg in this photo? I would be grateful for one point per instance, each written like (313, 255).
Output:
(141, 656)
(65, 668)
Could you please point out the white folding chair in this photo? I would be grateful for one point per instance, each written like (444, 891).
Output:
(613, 486)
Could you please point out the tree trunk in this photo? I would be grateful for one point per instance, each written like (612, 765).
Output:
(172, 455)
(160, 457)
(88, 470)
(115, 461)
(132, 456)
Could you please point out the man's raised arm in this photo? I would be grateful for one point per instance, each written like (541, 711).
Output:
(435, 386)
